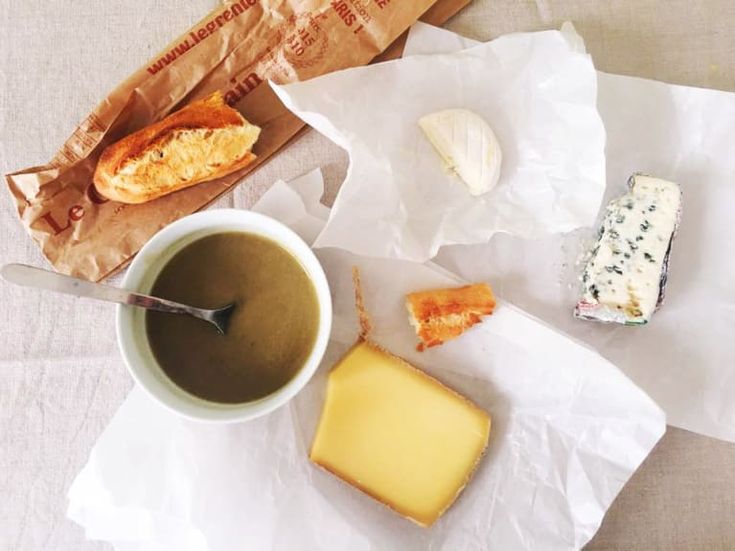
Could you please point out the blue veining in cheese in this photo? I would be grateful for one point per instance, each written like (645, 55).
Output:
(626, 270)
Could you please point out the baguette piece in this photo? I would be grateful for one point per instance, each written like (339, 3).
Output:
(205, 140)
(439, 315)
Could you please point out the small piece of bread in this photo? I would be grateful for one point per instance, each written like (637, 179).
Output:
(205, 140)
(439, 315)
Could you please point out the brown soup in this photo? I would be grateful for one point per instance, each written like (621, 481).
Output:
(272, 329)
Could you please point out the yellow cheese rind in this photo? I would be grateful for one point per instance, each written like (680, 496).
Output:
(398, 434)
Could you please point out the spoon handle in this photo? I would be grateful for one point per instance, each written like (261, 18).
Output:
(30, 276)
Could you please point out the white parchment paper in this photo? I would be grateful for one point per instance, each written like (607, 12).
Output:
(685, 358)
(533, 89)
(569, 429)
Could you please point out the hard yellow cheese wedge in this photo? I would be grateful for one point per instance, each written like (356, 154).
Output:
(398, 434)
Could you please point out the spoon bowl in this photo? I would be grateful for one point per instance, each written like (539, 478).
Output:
(220, 317)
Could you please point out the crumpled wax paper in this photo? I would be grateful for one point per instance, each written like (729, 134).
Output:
(569, 429)
(685, 357)
(538, 94)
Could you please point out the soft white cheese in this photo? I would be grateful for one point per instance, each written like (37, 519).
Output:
(467, 145)
(626, 269)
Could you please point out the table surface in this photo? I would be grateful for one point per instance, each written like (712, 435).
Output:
(62, 378)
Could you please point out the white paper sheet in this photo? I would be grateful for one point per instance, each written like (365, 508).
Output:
(568, 431)
(534, 90)
(685, 358)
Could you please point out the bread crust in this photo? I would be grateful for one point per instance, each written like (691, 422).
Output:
(439, 315)
(208, 114)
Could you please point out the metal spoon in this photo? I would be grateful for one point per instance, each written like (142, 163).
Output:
(29, 276)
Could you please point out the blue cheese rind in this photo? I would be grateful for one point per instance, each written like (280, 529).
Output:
(626, 270)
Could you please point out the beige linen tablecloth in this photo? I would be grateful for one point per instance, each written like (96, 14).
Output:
(61, 376)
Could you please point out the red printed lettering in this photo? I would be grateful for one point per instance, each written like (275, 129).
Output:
(182, 48)
(76, 213)
(225, 16)
(54, 224)
(241, 89)
(344, 12)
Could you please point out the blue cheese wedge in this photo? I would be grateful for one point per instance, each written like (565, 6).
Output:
(626, 270)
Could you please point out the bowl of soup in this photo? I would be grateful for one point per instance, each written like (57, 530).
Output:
(276, 336)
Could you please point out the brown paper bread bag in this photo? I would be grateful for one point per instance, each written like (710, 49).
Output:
(235, 49)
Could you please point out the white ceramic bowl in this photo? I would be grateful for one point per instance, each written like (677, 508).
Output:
(141, 275)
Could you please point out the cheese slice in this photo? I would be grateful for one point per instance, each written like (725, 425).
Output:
(397, 434)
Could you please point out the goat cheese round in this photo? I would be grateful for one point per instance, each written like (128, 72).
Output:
(467, 145)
